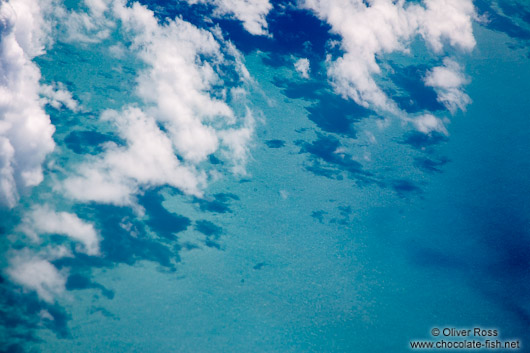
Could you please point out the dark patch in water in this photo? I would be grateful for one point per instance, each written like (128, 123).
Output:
(87, 142)
(275, 143)
(220, 203)
(78, 281)
(430, 165)
(424, 142)
(319, 215)
(330, 112)
(102, 311)
(501, 23)
(208, 228)
(337, 115)
(405, 187)
(275, 60)
(211, 231)
(309, 90)
(212, 244)
(161, 221)
(419, 96)
(345, 216)
(326, 159)
(516, 10)
(21, 316)
(259, 266)
(294, 31)
(124, 240)
(214, 160)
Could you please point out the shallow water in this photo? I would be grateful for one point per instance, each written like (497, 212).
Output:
(311, 251)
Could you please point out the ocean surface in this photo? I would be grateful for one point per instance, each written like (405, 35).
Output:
(349, 230)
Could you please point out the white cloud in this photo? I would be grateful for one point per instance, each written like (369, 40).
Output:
(302, 67)
(83, 28)
(185, 115)
(428, 123)
(44, 220)
(35, 273)
(117, 50)
(252, 13)
(87, 27)
(58, 96)
(177, 83)
(51, 252)
(447, 81)
(366, 31)
(372, 28)
(31, 26)
(25, 129)
(236, 143)
(97, 7)
(148, 159)
(447, 20)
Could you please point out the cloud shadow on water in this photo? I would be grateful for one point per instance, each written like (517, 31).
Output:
(161, 221)
(419, 97)
(500, 23)
(430, 165)
(275, 143)
(212, 232)
(22, 314)
(429, 161)
(88, 142)
(293, 31)
(404, 187)
(330, 112)
(328, 158)
(217, 203)
(78, 281)
(515, 9)
(126, 238)
(424, 142)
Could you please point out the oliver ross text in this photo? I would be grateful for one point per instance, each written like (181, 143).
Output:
(476, 332)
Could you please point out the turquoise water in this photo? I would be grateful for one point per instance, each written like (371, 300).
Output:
(308, 252)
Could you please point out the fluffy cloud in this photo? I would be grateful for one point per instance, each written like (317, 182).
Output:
(302, 67)
(43, 220)
(252, 13)
(236, 142)
(177, 83)
(147, 159)
(185, 118)
(446, 20)
(30, 24)
(86, 27)
(428, 123)
(58, 96)
(447, 81)
(25, 129)
(371, 28)
(36, 273)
